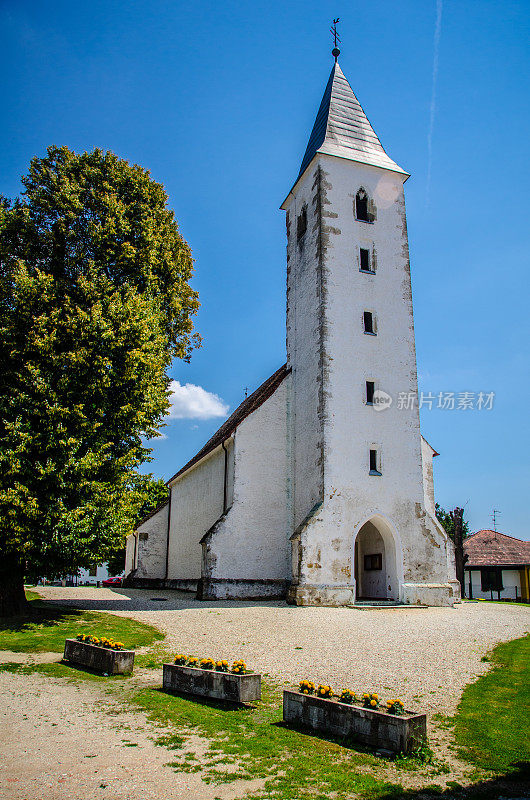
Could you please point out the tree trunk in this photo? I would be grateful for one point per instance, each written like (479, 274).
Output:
(459, 549)
(13, 601)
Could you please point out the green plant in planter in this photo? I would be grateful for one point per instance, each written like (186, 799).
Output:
(109, 644)
(395, 707)
(207, 663)
(323, 690)
(370, 700)
(347, 697)
(306, 687)
(180, 659)
(221, 666)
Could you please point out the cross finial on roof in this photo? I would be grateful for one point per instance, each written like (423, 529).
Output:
(336, 39)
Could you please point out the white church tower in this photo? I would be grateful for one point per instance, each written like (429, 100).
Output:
(360, 496)
(319, 485)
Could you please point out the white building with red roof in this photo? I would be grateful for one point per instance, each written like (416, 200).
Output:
(497, 566)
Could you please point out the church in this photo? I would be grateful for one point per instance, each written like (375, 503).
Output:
(319, 487)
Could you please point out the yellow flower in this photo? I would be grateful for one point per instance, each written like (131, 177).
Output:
(373, 702)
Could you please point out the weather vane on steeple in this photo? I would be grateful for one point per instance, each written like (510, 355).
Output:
(336, 39)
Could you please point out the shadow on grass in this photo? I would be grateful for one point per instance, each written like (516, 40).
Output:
(39, 613)
(348, 742)
(210, 702)
(79, 668)
(514, 784)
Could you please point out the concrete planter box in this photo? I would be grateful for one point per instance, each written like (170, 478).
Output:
(245, 688)
(100, 659)
(377, 729)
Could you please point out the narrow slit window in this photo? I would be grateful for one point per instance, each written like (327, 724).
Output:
(368, 321)
(370, 389)
(364, 259)
(301, 224)
(374, 463)
(361, 206)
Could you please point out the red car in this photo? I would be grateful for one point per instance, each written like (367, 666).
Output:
(112, 582)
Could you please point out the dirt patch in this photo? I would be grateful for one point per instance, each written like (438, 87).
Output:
(61, 740)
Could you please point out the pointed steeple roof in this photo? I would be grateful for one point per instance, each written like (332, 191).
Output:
(342, 129)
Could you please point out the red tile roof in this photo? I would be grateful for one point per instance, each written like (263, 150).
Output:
(493, 549)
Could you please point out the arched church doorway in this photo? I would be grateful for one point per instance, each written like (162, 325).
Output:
(375, 562)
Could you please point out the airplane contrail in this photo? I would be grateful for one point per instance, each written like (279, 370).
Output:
(437, 33)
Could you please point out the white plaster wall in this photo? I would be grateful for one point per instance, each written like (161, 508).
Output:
(152, 543)
(427, 458)
(196, 503)
(251, 541)
(348, 359)
(129, 554)
(511, 580)
(304, 352)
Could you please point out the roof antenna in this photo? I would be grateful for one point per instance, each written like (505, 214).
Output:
(494, 517)
(336, 39)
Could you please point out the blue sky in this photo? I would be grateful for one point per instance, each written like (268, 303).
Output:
(218, 100)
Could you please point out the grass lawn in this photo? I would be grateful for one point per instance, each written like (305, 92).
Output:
(491, 724)
(491, 731)
(248, 743)
(46, 628)
(502, 602)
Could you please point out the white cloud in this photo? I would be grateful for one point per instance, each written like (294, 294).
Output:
(193, 402)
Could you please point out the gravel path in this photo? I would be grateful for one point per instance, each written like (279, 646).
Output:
(425, 656)
(61, 740)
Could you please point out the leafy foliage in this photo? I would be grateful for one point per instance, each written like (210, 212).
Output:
(94, 303)
(446, 519)
(150, 492)
(145, 494)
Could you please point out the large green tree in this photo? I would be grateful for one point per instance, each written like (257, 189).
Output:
(95, 302)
